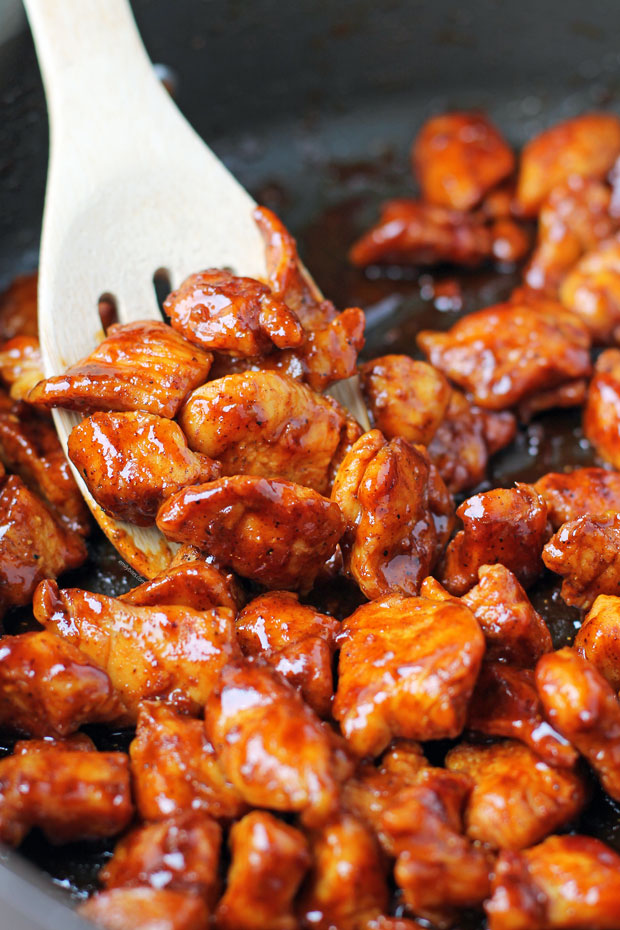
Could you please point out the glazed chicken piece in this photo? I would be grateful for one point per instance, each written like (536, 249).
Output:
(405, 398)
(574, 218)
(565, 883)
(465, 439)
(274, 532)
(598, 638)
(506, 526)
(175, 770)
(18, 307)
(272, 746)
(33, 545)
(146, 909)
(269, 861)
(458, 157)
(347, 886)
(591, 290)
(397, 655)
(399, 514)
(21, 365)
(171, 653)
(267, 424)
(296, 639)
(506, 353)
(585, 146)
(76, 742)
(581, 705)
(517, 799)
(578, 493)
(29, 446)
(181, 854)
(70, 795)
(138, 366)
(505, 702)
(195, 583)
(131, 462)
(437, 868)
(237, 316)
(601, 418)
(513, 630)
(49, 688)
(586, 553)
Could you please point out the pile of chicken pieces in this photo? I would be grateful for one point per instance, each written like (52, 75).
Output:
(284, 771)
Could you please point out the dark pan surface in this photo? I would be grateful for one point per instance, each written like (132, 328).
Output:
(313, 106)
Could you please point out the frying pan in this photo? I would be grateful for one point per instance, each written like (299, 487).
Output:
(313, 105)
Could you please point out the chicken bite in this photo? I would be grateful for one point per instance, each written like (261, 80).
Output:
(565, 883)
(21, 365)
(458, 157)
(517, 799)
(398, 511)
(269, 861)
(591, 291)
(296, 639)
(581, 705)
(18, 307)
(171, 653)
(598, 638)
(267, 424)
(193, 583)
(131, 462)
(175, 769)
(601, 417)
(146, 909)
(226, 313)
(272, 746)
(578, 493)
(271, 531)
(49, 688)
(585, 146)
(407, 668)
(586, 553)
(506, 353)
(139, 366)
(69, 795)
(506, 526)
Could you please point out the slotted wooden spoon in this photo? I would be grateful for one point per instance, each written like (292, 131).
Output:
(131, 189)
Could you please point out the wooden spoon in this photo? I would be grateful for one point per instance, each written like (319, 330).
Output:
(131, 190)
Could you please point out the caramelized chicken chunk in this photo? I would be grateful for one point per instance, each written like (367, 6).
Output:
(586, 146)
(517, 799)
(586, 553)
(574, 218)
(405, 398)
(49, 688)
(458, 157)
(195, 583)
(76, 742)
(269, 861)
(237, 316)
(297, 640)
(271, 745)
(267, 424)
(598, 638)
(398, 511)
(511, 351)
(21, 365)
(181, 854)
(29, 446)
(578, 493)
(131, 462)
(146, 909)
(513, 630)
(601, 418)
(565, 883)
(271, 531)
(138, 366)
(33, 545)
(407, 668)
(505, 702)
(347, 886)
(173, 653)
(175, 769)
(70, 795)
(582, 706)
(592, 291)
(18, 307)
(506, 526)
